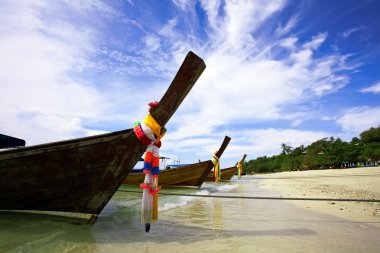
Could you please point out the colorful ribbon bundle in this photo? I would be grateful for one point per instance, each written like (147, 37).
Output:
(149, 132)
(216, 175)
(240, 169)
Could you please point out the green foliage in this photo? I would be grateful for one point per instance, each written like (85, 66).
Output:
(371, 135)
(322, 154)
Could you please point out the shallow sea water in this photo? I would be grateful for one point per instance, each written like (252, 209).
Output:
(193, 224)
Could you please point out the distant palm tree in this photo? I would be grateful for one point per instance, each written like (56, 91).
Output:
(286, 149)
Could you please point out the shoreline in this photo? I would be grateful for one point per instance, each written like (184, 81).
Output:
(353, 183)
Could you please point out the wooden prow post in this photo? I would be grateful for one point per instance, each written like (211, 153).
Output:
(189, 72)
(225, 143)
(244, 156)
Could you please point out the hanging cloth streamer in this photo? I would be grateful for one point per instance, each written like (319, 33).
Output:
(149, 132)
(240, 169)
(153, 126)
(216, 176)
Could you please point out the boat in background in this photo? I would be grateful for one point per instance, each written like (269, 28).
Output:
(186, 175)
(227, 173)
(81, 175)
(7, 141)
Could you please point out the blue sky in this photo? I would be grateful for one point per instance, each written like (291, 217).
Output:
(277, 71)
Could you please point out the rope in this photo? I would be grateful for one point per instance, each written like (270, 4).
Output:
(264, 198)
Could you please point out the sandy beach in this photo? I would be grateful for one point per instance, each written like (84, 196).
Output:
(357, 183)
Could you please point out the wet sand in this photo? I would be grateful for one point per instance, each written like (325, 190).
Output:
(357, 183)
(249, 225)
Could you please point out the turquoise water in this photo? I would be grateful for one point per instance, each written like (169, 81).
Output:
(118, 223)
(193, 224)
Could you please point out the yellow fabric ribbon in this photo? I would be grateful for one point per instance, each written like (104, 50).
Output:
(215, 161)
(154, 126)
(240, 169)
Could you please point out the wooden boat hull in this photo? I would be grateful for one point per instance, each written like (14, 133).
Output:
(81, 175)
(226, 174)
(188, 175)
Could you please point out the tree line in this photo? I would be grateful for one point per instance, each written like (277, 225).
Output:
(326, 153)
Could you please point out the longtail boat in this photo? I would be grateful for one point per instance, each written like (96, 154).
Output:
(7, 141)
(187, 175)
(81, 175)
(227, 173)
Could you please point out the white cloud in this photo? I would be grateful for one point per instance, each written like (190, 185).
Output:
(289, 42)
(372, 89)
(211, 8)
(346, 34)
(244, 84)
(184, 5)
(253, 142)
(168, 30)
(33, 69)
(152, 43)
(316, 41)
(268, 141)
(88, 6)
(235, 88)
(242, 18)
(292, 22)
(360, 119)
(42, 58)
(328, 118)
